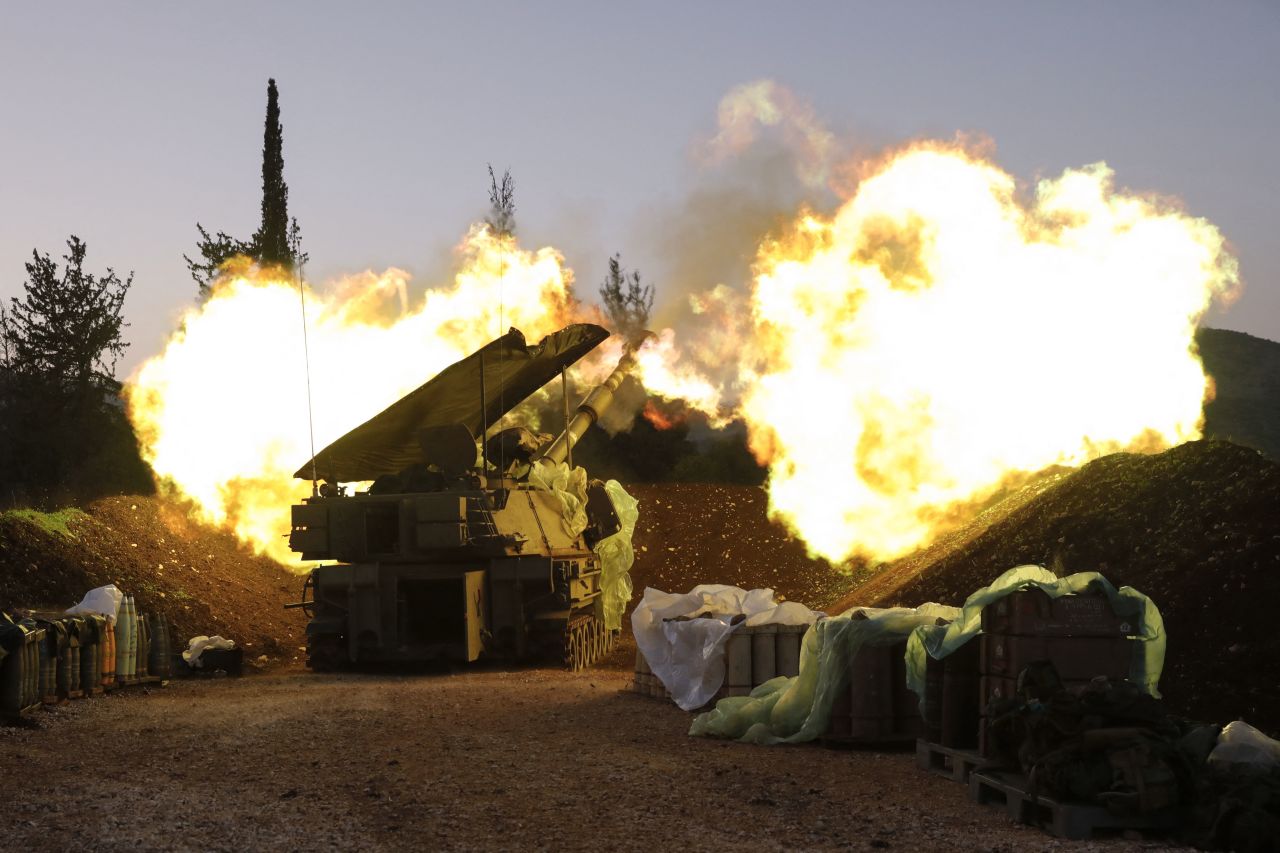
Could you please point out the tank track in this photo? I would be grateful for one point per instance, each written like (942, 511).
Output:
(326, 653)
(586, 641)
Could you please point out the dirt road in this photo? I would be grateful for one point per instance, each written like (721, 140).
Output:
(480, 759)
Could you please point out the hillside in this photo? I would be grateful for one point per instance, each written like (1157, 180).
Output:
(1246, 373)
(1197, 528)
(198, 577)
(691, 533)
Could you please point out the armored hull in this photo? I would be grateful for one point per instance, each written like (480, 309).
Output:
(457, 575)
(450, 556)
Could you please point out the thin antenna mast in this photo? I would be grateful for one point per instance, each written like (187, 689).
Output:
(502, 385)
(306, 355)
(484, 423)
(564, 395)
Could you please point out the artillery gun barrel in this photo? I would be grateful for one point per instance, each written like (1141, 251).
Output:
(590, 410)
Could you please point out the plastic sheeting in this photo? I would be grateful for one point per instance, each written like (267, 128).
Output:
(387, 443)
(940, 641)
(689, 656)
(199, 645)
(569, 485)
(103, 601)
(792, 710)
(1241, 743)
(617, 556)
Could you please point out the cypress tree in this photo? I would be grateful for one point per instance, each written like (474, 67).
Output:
(272, 239)
(276, 242)
(64, 429)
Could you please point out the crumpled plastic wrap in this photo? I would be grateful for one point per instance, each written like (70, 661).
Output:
(103, 601)
(797, 709)
(940, 641)
(199, 645)
(617, 556)
(688, 656)
(1241, 743)
(569, 485)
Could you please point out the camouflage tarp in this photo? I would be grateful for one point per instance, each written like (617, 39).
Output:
(387, 443)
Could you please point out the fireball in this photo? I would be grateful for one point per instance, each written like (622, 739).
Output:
(943, 333)
(222, 412)
(938, 336)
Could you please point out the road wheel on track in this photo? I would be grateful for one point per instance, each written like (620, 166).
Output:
(326, 653)
(584, 642)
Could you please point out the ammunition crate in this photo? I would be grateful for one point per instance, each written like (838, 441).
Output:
(1079, 634)
(1075, 658)
(1032, 612)
(994, 688)
(877, 707)
(757, 654)
(951, 698)
(645, 682)
(753, 655)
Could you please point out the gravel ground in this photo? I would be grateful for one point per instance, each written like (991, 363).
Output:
(478, 759)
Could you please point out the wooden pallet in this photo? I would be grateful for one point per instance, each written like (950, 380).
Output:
(954, 764)
(1074, 821)
(889, 742)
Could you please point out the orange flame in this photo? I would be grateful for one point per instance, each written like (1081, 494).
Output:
(659, 418)
(936, 335)
(894, 362)
(221, 413)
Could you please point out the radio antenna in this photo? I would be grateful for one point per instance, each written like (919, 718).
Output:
(484, 423)
(502, 385)
(306, 357)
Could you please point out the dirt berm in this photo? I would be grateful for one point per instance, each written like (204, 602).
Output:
(1196, 528)
(202, 579)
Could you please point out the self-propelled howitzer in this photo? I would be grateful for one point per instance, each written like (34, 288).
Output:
(451, 556)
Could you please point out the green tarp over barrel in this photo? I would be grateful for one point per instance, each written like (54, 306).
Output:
(388, 442)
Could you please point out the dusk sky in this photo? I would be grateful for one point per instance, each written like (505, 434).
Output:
(127, 123)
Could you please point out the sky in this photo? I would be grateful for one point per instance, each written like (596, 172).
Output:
(125, 124)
